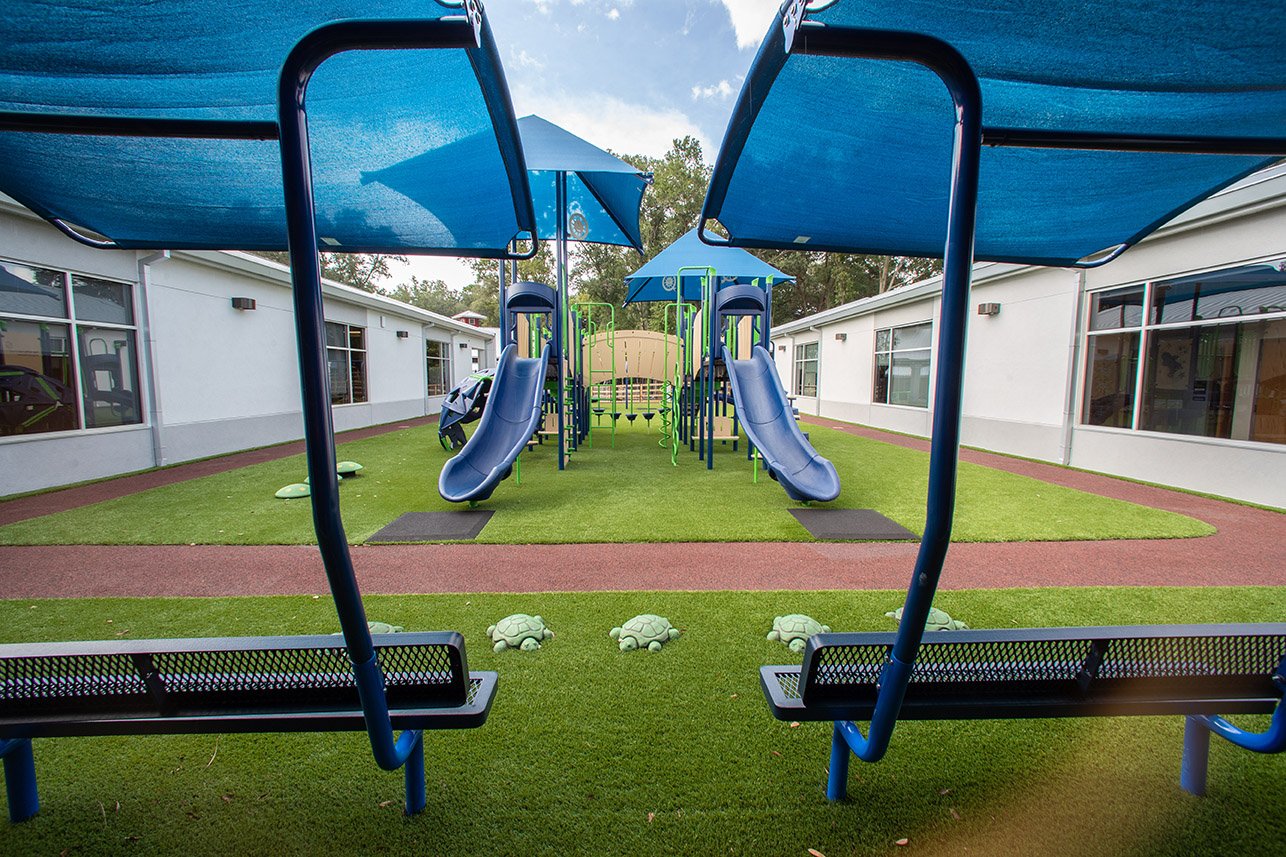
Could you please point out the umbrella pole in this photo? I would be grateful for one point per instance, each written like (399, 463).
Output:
(560, 195)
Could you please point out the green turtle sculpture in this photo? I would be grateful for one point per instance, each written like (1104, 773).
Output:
(378, 628)
(519, 631)
(347, 468)
(644, 631)
(938, 620)
(794, 629)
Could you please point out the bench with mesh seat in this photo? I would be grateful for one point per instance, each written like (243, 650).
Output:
(227, 685)
(1201, 671)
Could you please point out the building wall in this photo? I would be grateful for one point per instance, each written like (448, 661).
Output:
(224, 379)
(1025, 365)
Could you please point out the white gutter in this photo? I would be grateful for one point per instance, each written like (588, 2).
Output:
(1072, 401)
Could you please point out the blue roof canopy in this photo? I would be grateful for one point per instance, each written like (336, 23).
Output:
(656, 280)
(602, 188)
(175, 60)
(854, 155)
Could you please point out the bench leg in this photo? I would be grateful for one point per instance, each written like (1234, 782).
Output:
(1196, 756)
(414, 772)
(20, 779)
(837, 781)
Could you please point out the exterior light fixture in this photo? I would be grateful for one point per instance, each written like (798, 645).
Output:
(404, 334)
(841, 337)
(988, 309)
(243, 303)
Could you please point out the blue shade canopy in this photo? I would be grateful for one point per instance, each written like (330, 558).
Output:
(656, 280)
(605, 190)
(855, 155)
(184, 59)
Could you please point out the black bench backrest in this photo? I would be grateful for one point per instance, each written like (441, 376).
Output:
(1056, 671)
(222, 675)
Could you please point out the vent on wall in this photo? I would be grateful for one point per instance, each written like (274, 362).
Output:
(243, 303)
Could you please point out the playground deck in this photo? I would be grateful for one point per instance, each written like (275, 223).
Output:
(1245, 551)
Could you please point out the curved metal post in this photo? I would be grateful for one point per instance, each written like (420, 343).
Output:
(966, 96)
(20, 779)
(310, 330)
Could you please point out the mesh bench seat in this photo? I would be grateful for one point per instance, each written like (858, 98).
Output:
(1041, 672)
(226, 685)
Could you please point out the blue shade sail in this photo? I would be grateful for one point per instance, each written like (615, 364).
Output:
(656, 281)
(603, 192)
(855, 155)
(367, 111)
(602, 188)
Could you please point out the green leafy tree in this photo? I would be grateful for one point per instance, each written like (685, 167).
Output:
(362, 271)
(431, 294)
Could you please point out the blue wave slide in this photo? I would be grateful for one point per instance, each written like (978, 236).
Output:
(765, 413)
(510, 419)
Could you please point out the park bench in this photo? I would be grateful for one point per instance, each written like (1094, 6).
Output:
(227, 685)
(1193, 670)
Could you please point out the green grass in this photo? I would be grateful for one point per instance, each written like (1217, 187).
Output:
(627, 494)
(593, 751)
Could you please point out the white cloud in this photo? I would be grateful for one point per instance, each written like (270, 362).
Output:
(611, 123)
(721, 90)
(750, 19)
(525, 60)
(614, 15)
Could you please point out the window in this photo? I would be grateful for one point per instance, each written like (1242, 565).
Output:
(346, 356)
(48, 385)
(1214, 356)
(806, 369)
(438, 357)
(902, 365)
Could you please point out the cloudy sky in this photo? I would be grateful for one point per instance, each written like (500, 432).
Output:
(626, 75)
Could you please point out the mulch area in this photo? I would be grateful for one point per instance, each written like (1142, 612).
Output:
(1246, 550)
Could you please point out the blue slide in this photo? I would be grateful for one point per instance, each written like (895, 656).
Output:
(765, 413)
(510, 419)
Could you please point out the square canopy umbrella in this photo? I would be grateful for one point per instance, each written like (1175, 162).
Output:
(1055, 132)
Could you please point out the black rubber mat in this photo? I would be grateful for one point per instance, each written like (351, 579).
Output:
(434, 526)
(866, 524)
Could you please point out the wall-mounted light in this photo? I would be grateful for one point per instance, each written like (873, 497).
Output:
(404, 334)
(988, 309)
(243, 303)
(781, 348)
(464, 345)
(841, 337)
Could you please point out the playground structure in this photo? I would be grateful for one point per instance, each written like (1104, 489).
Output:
(706, 377)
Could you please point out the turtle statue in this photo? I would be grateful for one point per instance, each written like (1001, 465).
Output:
(794, 630)
(644, 631)
(377, 628)
(519, 631)
(938, 620)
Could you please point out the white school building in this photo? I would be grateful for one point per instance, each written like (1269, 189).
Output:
(1167, 365)
(116, 361)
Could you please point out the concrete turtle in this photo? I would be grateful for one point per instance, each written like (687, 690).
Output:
(644, 631)
(794, 629)
(938, 620)
(519, 631)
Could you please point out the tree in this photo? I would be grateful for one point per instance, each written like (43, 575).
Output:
(433, 295)
(360, 270)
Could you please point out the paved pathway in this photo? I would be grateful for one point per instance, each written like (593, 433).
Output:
(1247, 549)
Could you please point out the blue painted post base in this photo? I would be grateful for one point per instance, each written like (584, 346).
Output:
(20, 779)
(1196, 756)
(414, 772)
(837, 780)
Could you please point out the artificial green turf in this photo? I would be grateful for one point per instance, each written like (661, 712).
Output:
(630, 493)
(593, 751)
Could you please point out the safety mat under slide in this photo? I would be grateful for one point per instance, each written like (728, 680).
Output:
(866, 524)
(434, 527)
